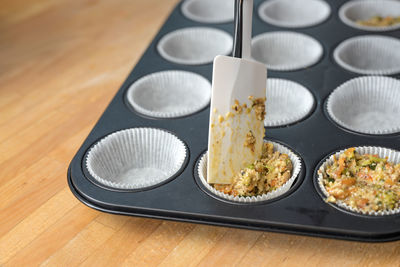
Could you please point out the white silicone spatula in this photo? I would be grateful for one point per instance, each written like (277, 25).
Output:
(236, 119)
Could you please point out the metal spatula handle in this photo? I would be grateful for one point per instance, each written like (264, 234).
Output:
(243, 27)
(237, 43)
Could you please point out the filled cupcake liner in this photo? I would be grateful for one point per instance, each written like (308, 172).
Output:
(370, 54)
(286, 51)
(209, 11)
(136, 158)
(195, 46)
(294, 13)
(202, 172)
(392, 155)
(356, 10)
(367, 105)
(287, 102)
(169, 94)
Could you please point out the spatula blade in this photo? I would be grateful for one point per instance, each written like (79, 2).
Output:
(232, 130)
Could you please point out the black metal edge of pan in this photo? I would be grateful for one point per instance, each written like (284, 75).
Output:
(191, 219)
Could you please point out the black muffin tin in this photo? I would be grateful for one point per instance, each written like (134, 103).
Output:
(302, 210)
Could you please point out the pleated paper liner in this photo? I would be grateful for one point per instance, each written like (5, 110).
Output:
(169, 94)
(195, 46)
(287, 102)
(369, 54)
(136, 158)
(354, 11)
(294, 13)
(286, 51)
(367, 105)
(209, 11)
(296, 162)
(393, 156)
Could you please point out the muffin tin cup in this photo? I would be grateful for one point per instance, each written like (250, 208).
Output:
(294, 13)
(286, 50)
(209, 11)
(392, 155)
(287, 102)
(169, 94)
(353, 11)
(369, 54)
(368, 105)
(202, 172)
(136, 158)
(192, 46)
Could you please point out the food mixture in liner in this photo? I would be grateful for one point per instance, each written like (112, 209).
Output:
(265, 175)
(364, 182)
(378, 21)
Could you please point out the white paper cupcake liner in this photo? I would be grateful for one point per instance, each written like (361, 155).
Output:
(209, 11)
(169, 94)
(367, 105)
(353, 11)
(294, 13)
(195, 46)
(287, 102)
(371, 55)
(286, 51)
(202, 172)
(136, 158)
(393, 156)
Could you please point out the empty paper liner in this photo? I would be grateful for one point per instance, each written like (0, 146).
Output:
(367, 105)
(169, 94)
(294, 13)
(354, 13)
(195, 46)
(287, 102)
(296, 162)
(209, 11)
(286, 51)
(370, 54)
(136, 158)
(391, 155)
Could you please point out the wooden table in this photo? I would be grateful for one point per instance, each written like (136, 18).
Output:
(61, 62)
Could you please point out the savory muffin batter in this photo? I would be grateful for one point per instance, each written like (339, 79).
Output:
(378, 21)
(268, 173)
(364, 182)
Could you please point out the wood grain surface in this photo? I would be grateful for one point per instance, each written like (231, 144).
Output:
(61, 62)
